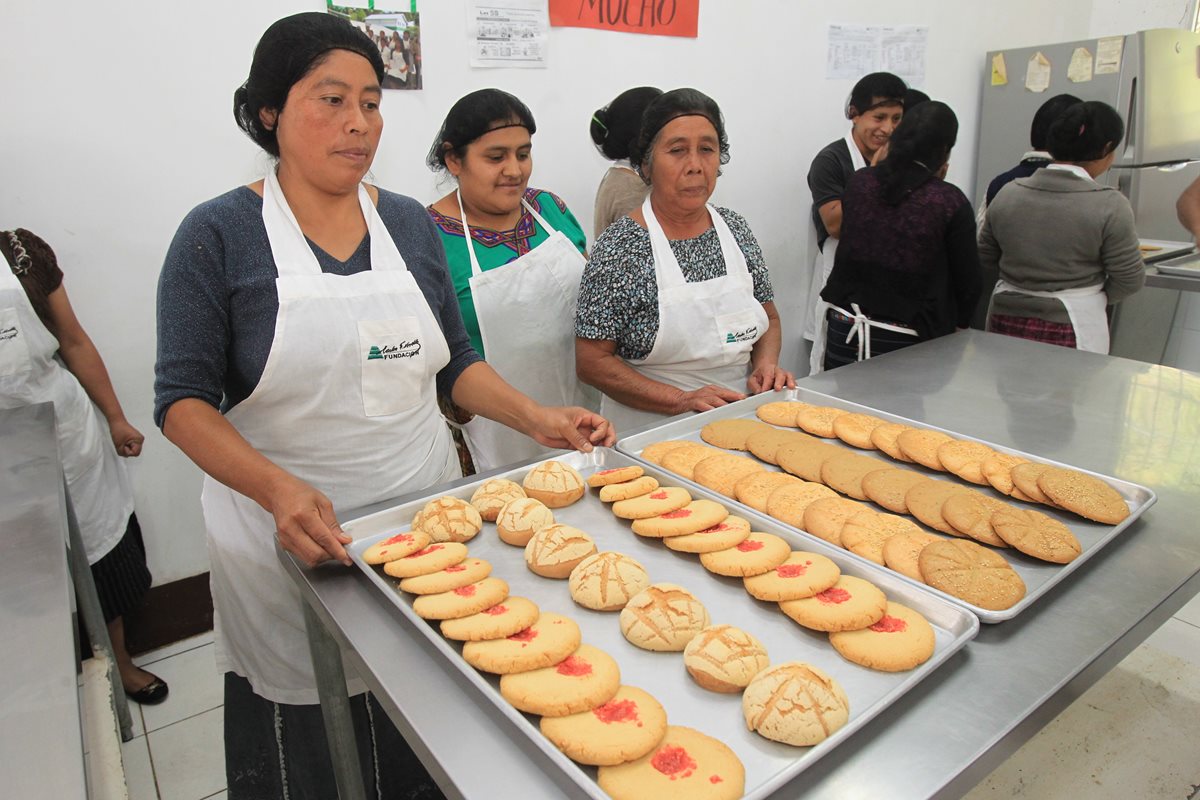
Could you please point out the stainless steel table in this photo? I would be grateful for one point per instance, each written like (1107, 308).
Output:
(1164, 280)
(1125, 418)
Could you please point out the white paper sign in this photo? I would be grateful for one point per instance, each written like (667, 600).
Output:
(855, 50)
(1108, 55)
(1037, 74)
(508, 33)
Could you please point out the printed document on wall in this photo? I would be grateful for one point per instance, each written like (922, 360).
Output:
(507, 33)
(855, 50)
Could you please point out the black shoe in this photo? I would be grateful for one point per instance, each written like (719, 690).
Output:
(151, 694)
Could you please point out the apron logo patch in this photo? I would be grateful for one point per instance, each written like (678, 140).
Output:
(402, 350)
(8, 333)
(743, 335)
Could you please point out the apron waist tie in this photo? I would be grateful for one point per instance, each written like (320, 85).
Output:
(861, 326)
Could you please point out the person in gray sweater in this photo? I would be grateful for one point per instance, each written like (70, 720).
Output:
(1064, 245)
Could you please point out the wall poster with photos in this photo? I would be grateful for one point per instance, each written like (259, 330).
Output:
(397, 34)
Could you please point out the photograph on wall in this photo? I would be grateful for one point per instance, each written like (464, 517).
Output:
(397, 34)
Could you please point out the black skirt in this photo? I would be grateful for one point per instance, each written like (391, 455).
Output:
(121, 576)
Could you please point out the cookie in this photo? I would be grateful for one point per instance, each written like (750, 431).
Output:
(625, 728)
(763, 444)
(1017, 494)
(605, 581)
(780, 412)
(730, 434)
(683, 460)
(520, 519)
(788, 503)
(996, 470)
(970, 513)
(724, 659)
(511, 615)
(448, 519)
(660, 501)
(557, 549)
(695, 516)
(971, 572)
(888, 487)
(463, 601)
(756, 554)
(548, 641)
(686, 765)
(754, 489)
(850, 604)
(493, 494)
(1025, 477)
(824, 518)
(865, 534)
(855, 429)
(654, 451)
(725, 534)
(556, 484)
(921, 445)
(795, 703)
(965, 459)
(663, 617)
(721, 472)
(605, 477)
(434, 558)
(468, 571)
(394, 547)
(902, 552)
(844, 473)
(1083, 494)
(818, 420)
(884, 438)
(900, 640)
(1037, 535)
(624, 491)
(925, 500)
(804, 458)
(583, 680)
(801, 575)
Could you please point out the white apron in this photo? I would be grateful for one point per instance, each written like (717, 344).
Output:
(1085, 308)
(815, 329)
(526, 314)
(706, 330)
(346, 403)
(30, 373)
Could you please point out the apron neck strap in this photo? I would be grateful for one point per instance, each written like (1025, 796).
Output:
(462, 213)
(856, 157)
(667, 271)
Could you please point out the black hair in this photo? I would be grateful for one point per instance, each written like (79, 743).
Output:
(914, 98)
(884, 85)
(288, 50)
(615, 127)
(471, 117)
(1085, 132)
(1046, 114)
(672, 105)
(918, 148)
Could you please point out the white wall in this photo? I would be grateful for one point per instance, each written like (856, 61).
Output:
(117, 120)
(1114, 17)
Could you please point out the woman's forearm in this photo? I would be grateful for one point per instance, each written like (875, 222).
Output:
(766, 350)
(83, 360)
(609, 373)
(480, 390)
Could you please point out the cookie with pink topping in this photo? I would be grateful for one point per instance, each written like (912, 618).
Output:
(686, 765)
(850, 604)
(900, 640)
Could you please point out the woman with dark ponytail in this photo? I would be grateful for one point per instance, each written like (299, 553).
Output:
(1064, 245)
(906, 269)
(614, 129)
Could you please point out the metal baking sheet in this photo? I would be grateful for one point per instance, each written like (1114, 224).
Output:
(1186, 265)
(768, 764)
(1154, 250)
(1039, 576)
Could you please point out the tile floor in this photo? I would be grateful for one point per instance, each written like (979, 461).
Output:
(177, 753)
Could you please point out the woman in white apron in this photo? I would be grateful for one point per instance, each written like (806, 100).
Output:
(675, 310)
(46, 356)
(1065, 246)
(516, 257)
(306, 326)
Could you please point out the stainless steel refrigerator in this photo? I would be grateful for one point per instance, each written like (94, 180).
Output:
(1155, 85)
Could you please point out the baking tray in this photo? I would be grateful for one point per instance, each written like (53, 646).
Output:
(768, 764)
(1155, 250)
(1187, 266)
(1039, 576)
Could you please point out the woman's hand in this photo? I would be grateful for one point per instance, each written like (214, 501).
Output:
(570, 427)
(305, 524)
(706, 398)
(126, 438)
(769, 377)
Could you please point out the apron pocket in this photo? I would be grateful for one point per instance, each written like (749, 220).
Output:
(14, 347)
(393, 355)
(740, 329)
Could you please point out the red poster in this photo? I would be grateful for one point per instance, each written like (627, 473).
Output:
(658, 17)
